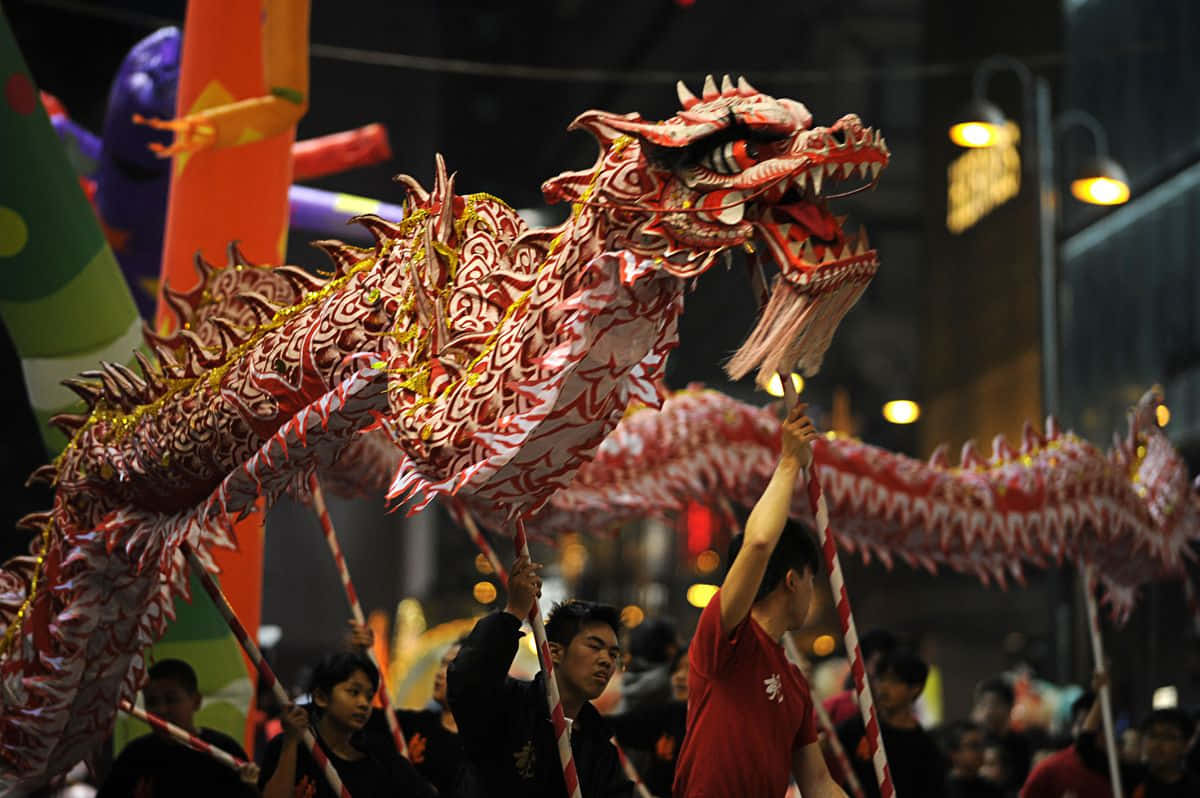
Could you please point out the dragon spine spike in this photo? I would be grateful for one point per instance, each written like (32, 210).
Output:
(1052, 429)
(686, 98)
(152, 376)
(1001, 450)
(727, 88)
(42, 475)
(1031, 439)
(744, 87)
(940, 458)
(88, 391)
(415, 189)
(231, 335)
(68, 423)
(133, 385)
(710, 88)
(114, 395)
(445, 215)
(263, 309)
(343, 256)
(179, 303)
(204, 269)
(34, 521)
(969, 458)
(199, 359)
(380, 229)
(300, 280)
(234, 257)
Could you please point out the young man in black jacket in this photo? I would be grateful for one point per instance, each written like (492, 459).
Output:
(504, 724)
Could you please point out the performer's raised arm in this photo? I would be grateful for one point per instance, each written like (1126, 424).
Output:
(767, 520)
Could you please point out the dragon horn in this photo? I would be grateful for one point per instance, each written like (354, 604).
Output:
(744, 87)
(710, 88)
(42, 475)
(89, 392)
(414, 188)
(686, 98)
(727, 89)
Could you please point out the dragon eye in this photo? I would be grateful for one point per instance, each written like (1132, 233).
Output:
(730, 158)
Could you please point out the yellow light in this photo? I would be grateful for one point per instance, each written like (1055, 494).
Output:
(482, 564)
(484, 592)
(824, 645)
(1100, 191)
(976, 134)
(700, 594)
(1162, 414)
(632, 616)
(574, 558)
(775, 385)
(901, 411)
(707, 561)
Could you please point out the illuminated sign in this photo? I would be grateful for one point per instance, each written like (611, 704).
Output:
(981, 179)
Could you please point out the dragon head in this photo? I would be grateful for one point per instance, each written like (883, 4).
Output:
(737, 168)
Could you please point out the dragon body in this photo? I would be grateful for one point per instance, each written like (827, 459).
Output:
(494, 358)
(1130, 510)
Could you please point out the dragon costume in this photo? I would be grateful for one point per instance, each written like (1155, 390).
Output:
(495, 357)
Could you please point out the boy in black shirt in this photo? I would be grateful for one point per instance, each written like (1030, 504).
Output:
(1165, 734)
(504, 724)
(157, 766)
(964, 748)
(917, 767)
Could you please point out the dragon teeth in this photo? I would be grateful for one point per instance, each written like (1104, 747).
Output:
(815, 175)
(862, 170)
(831, 168)
(876, 166)
(847, 169)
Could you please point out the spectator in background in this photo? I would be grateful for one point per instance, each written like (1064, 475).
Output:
(964, 748)
(653, 645)
(995, 766)
(917, 767)
(657, 728)
(843, 706)
(1162, 774)
(994, 699)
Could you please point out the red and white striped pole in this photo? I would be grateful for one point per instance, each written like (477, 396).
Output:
(265, 674)
(826, 724)
(184, 736)
(816, 500)
(557, 718)
(866, 705)
(631, 773)
(485, 548)
(318, 498)
(1088, 577)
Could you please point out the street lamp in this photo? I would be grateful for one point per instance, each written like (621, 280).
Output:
(1100, 180)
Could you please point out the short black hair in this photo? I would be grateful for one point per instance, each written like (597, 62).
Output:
(177, 671)
(997, 686)
(877, 641)
(568, 618)
(1171, 716)
(953, 733)
(796, 550)
(652, 640)
(905, 665)
(335, 668)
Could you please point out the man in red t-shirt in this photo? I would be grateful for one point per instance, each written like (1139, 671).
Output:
(750, 715)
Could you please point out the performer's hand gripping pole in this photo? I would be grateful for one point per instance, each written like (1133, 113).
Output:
(557, 717)
(1088, 576)
(318, 499)
(265, 674)
(841, 598)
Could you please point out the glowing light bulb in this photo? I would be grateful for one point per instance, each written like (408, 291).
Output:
(1100, 191)
(975, 134)
(775, 385)
(901, 411)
